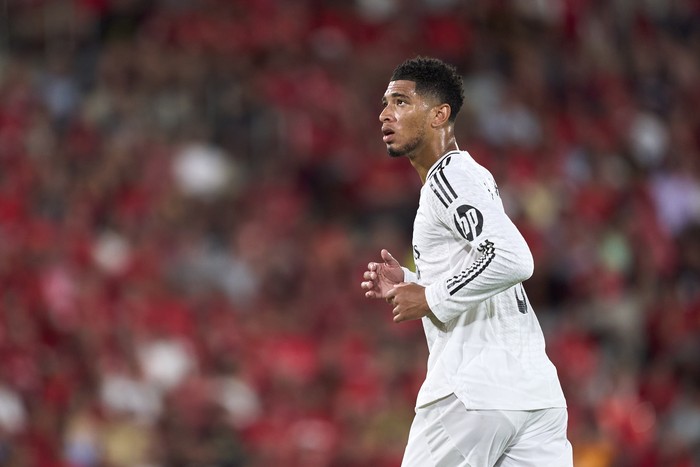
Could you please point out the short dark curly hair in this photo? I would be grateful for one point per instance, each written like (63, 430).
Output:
(433, 77)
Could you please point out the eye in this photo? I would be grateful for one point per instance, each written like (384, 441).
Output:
(400, 102)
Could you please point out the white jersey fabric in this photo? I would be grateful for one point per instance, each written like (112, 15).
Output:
(486, 345)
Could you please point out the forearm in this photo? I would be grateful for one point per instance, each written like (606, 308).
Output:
(466, 285)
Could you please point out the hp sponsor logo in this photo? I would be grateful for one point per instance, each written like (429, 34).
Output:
(469, 222)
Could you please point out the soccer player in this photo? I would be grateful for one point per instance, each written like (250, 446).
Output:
(491, 396)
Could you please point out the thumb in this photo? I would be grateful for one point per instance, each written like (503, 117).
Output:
(388, 258)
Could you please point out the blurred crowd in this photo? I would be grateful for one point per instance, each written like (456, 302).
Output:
(191, 189)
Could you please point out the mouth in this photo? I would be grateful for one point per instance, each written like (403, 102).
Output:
(388, 135)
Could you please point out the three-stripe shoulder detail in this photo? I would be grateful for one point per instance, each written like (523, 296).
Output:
(439, 184)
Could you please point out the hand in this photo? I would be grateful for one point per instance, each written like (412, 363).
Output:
(409, 301)
(382, 277)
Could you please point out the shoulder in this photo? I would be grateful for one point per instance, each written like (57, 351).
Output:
(449, 162)
(439, 184)
(458, 165)
(455, 175)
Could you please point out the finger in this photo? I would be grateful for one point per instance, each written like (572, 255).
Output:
(387, 257)
(371, 294)
(398, 317)
(372, 266)
(367, 285)
(370, 275)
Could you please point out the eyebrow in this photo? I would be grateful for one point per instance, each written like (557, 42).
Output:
(395, 94)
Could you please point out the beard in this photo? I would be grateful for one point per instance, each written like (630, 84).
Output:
(407, 148)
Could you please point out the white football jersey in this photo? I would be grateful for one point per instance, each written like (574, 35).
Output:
(486, 345)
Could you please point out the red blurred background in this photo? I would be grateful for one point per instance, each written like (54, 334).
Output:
(190, 191)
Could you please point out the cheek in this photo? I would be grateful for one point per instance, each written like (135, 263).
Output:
(416, 124)
(409, 121)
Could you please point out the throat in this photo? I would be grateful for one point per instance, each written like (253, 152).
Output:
(421, 169)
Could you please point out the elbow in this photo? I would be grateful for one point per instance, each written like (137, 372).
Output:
(525, 265)
(528, 266)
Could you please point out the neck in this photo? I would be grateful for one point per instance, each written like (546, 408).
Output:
(426, 158)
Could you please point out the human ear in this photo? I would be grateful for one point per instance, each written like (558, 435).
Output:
(441, 114)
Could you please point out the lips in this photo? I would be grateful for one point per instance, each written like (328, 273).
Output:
(388, 134)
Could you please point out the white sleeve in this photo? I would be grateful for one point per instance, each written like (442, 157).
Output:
(474, 214)
(408, 275)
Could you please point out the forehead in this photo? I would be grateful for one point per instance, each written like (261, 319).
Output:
(401, 87)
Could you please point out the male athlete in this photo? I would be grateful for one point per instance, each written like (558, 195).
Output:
(491, 396)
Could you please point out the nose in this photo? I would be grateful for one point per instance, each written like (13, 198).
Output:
(385, 115)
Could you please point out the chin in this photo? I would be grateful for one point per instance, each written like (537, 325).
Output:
(394, 152)
(407, 149)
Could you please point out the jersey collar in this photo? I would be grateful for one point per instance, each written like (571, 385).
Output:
(440, 162)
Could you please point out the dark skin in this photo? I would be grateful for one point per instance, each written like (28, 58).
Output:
(418, 127)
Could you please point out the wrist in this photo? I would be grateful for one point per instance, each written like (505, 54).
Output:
(408, 275)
